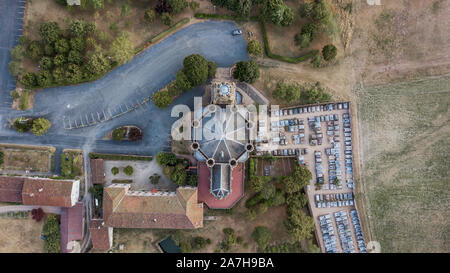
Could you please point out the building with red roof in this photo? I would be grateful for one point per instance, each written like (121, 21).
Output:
(72, 223)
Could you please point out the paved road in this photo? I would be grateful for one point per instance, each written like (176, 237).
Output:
(11, 13)
(127, 84)
(46, 209)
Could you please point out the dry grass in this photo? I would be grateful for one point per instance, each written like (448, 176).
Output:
(405, 146)
(21, 236)
(22, 158)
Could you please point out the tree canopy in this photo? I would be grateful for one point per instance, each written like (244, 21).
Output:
(262, 236)
(162, 99)
(246, 71)
(196, 69)
(329, 52)
(40, 126)
(122, 49)
(254, 48)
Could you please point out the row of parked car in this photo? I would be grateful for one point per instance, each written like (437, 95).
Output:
(345, 234)
(311, 109)
(358, 231)
(289, 152)
(329, 240)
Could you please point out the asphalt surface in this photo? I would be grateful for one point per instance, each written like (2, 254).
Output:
(11, 14)
(123, 87)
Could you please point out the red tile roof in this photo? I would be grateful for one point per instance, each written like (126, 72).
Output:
(47, 192)
(97, 171)
(237, 187)
(71, 225)
(180, 210)
(11, 189)
(99, 235)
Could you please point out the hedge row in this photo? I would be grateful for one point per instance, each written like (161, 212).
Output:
(169, 30)
(122, 181)
(279, 57)
(120, 157)
(252, 201)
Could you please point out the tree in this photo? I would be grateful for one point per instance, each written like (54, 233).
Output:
(199, 242)
(257, 183)
(288, 16)
(49, 50)
(182, 82)
(262, 236)
(29, 80)
(15, 68)
(179, 175)
(246, 71)
(98, 63)
(329, 52)
(164, 159)
(173, 90)
(73, 73)
(306, 9)
(177, 5)
(128, 170)
(196, 69)
(49, 32)
(299, 225)
(296, 200)
(75, 57)
(62, 46)
(59, 75)
(268, 191)
(278, 12)
(121, 49)
(162, 99)
(254, 48)
(17, 53)
(46, 62)
(35, 51)
(44, 78)
(37, 214)
(194, 5)
(192, 180)
(77, 28)
(163, 6)
(59, 60)
(114, 170)
(297, 180)
(316, 60)
(212, 67)
(134, 134)
(77, 44)
(40, 126)
(166, 19)
(320, 12)
(278, 198)
(97, 4)
(150, 15)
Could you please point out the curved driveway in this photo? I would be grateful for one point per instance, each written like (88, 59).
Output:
(126, 85)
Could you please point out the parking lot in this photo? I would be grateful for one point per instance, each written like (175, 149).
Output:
(320, 137)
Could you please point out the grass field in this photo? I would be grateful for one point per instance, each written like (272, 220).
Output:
(21, 236)
(405, 133)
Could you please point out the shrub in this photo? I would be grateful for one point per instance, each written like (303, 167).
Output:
(212, 67)
(23, 124)
(198, 242)
(246, 71)
(1, 157)
(251, 214)
(268, 191)
(35, 51)
(134, 134)
(166, 19)
(122, 49)
(52, 237)
(46, 62)
(154, 179)
(119, 133)
(59, 60)
(179, 175)
(162, 99)
(128, 170)
(150, 15)
(252, 201)
(40, 126)
(257, 183)
(17, 53)
(177, 5)
(62, 46)
(114, 170)
(29, 80)
(254, 48)
(77, 44)
(329, 52)
(262, 236)
(173, 90)
(76, 28)
(182, 82)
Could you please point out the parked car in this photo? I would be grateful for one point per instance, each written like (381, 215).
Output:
(237, 32)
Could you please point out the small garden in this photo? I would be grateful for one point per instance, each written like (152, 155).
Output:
(175, 169)
(37, 126)
(130, 133)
